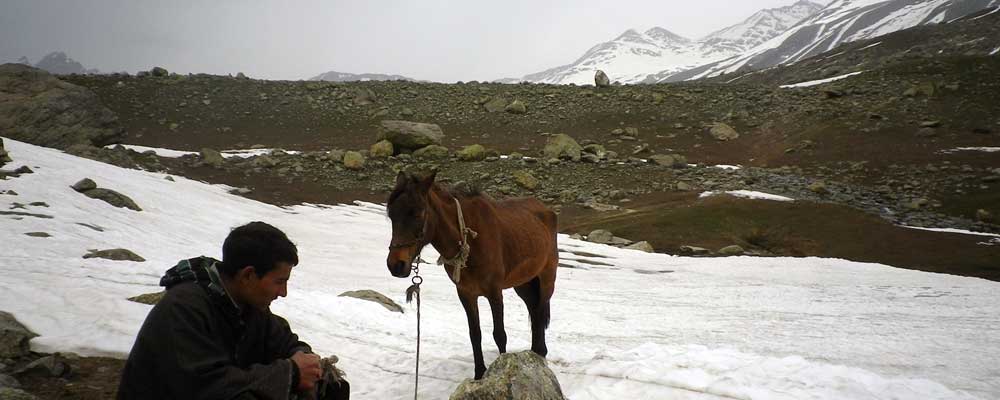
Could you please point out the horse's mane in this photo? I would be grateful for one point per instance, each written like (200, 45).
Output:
(460, 190)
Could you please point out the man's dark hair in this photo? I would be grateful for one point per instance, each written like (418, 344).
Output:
(259, 245)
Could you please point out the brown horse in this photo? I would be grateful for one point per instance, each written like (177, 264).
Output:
(514, 246)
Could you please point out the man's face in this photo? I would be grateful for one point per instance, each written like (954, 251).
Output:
(259, 292)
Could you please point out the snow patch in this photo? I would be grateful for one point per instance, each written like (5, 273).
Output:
(749, 194)
(169, 153)
(983, 149)
(820, 81)
(952, 230)
(717, 328)
(729, 167)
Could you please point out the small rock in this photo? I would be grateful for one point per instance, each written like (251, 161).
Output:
(212, 158)
(115, 255)
(525, 179)
(354, 160)
(733, 250)
(149, 298)
(381, 149)
(601, 79)
(684, 186)
(984, 216)
(641, 246)
(475, 152)
(818, 187)
(432, 151)
(516, 107)
(23, 170)
(601, 236)
(38, 234)
(52, 365)
(84, 185)
(373, 296)
(693, 251)
(723, 132)
(113, 198)
(930, 124)
(10, 393)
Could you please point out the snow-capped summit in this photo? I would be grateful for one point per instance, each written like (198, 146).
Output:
(839, 22)
(633, 55)
(759, 28)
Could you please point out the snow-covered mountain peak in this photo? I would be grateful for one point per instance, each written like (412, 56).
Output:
(633, 55)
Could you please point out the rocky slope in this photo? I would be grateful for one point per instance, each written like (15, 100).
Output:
(334, 76)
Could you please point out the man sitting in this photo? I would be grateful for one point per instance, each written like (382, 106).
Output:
(212, 336)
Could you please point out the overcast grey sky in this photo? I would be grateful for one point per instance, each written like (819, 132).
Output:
(434, 40)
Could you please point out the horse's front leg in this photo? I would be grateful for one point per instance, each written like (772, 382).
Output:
(496, 306)
(475, 334)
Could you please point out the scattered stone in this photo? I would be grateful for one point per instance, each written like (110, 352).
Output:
(516, 107)
(671, 160)
(818, 187)
(684, 186)
(38, 234)
(364, 97)
(523, 376)
(601, 79)
(354, 160)
(733, 250)
(475, 152)
(113, 198)
(525, 179)
(52, 365)
(596, 206)
(917, 204)
(693, 251)
(149, 298)
(14, 337)
(373, 296)
(24, 169)
(381, 149)
(84, 185)
(114, 255)
(601, 236)
(930, 124)
(723, 132)
(495, 105)
(984, 216)
(562, 146)
(641, 246)
(212, 158)
(432, 151)
(410, 135)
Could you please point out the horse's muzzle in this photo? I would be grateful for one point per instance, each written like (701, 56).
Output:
(399, 268)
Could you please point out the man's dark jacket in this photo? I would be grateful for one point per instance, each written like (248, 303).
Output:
(196, 343)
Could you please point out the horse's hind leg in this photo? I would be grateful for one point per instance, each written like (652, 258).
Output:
(538, 312)
(499, 334)
(475, 334)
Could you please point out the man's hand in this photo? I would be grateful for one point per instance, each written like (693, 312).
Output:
(309, 370)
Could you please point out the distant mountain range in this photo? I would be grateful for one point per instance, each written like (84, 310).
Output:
(840, 22)
(768, 38)
(334, 76)
(59, 64)
(633, 55)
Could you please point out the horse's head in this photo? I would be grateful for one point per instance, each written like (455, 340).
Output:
(408, 209)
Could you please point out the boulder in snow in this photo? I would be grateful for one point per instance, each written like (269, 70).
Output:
(522, 376)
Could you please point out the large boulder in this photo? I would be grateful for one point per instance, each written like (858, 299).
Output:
(522, 376)
(723, 132)
(562, 146)
(38, 108)
(410, 135)
(601, 79)
(14, 337)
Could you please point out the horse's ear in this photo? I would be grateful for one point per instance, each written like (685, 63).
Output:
(427, 179)
(401, 178)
